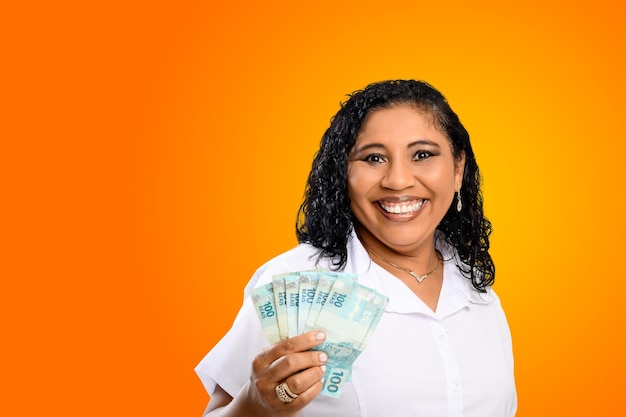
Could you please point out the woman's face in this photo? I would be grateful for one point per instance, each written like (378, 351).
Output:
(402, 177)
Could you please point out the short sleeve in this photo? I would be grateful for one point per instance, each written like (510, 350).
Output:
(229, 363)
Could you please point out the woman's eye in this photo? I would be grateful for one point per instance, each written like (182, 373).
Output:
(423, 155)
(374, 159)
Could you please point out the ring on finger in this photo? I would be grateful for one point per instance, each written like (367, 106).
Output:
(284, 393)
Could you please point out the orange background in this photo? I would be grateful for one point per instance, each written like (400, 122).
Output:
(154, 155)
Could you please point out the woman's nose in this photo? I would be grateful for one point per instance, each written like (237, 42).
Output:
(398, 176)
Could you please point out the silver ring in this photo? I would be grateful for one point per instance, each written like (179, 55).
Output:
(284, 393)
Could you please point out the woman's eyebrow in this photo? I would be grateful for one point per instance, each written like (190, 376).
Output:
(424, 142)
(420, 142)
(369, 146)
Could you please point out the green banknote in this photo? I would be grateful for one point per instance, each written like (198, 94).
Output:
(265, 307)
(308, 284)
(292, 285)
(280, 298)
(349, 315)
(325, 282)
(334, 302)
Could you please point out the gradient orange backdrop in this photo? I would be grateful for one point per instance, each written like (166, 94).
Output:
(154, 155)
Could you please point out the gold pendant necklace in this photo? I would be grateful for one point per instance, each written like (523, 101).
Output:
(419, 278)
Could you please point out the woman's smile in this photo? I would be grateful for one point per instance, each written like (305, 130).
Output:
(406, 208)
(402, 177)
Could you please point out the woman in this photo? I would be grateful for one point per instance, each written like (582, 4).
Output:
(394, 197)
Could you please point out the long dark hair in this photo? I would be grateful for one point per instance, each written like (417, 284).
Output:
(325, 219)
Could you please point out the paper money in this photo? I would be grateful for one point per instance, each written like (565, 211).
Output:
(308, 284)
(347, 317)
(336, 303)
(280, 299)
(380, 302)
(325, 283)
(265, 306)
(292, 284)
(336, 374)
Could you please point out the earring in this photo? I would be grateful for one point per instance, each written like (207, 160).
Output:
(459, 205)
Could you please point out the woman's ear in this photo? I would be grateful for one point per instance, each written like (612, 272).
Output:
(459, 169)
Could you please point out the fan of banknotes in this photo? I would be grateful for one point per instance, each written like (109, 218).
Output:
(334, 302)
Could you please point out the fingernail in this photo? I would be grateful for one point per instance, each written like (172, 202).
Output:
(323, 357)
(323, 368)
(320, 335)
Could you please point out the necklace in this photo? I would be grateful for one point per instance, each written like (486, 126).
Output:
(419, 278)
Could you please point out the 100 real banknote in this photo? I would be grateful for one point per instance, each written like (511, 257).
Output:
(334, 302)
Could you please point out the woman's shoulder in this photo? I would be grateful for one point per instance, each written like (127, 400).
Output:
(303, 257)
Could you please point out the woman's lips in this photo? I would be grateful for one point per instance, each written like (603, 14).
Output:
(404, 207)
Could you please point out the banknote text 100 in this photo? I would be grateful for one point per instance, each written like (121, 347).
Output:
(266, 310)
(338, 300)
(335, 381)
(308, 295)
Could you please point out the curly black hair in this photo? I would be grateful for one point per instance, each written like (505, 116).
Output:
(325, 219)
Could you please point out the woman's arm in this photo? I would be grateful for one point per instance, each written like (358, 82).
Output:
(219, 399)
(289, 361)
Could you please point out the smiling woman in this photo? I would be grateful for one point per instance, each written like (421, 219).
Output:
(393, 198)
(402, 177)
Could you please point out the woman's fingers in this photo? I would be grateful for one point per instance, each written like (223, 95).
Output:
(293, 362)
(294, 344)
(290, 364)
(305, 385)
(301, 382)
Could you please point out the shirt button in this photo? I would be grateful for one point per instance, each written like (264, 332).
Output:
(456, 386)
(443, 337)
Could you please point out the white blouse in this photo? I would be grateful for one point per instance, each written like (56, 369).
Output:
(454, 362)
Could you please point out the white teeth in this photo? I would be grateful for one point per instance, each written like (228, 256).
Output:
(402, 208)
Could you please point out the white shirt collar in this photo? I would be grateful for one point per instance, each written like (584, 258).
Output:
(457, 291)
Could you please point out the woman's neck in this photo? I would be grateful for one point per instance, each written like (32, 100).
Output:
(421, 256)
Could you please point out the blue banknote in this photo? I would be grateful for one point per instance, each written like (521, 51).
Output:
(265, 306)
(348, 312)
(280, 299)
(348, 317)
(292, 294)
(308, 285)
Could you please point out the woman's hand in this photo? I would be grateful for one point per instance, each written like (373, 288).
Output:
(287, 361)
